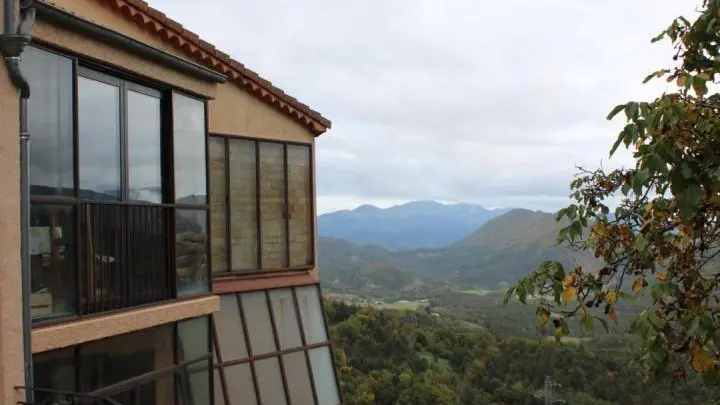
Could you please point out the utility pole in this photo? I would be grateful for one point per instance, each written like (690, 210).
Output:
(548, 390)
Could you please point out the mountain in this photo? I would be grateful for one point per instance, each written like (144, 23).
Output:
(501, 251)
(408, 226)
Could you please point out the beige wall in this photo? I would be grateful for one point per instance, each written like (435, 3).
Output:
(235, 112)
(11, 347)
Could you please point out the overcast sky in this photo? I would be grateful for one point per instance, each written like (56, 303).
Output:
(479, 101)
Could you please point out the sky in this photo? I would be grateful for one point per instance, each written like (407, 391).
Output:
(492, 102)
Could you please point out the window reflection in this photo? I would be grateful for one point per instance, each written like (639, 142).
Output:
(191, 243)
(99, 123)
(50, 121)
(144, 155)
(189, 143)
(52, 260)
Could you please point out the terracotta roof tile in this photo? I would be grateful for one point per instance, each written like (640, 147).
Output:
(205, 53)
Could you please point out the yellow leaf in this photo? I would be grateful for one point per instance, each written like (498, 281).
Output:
(613, 316)
(611, 297)
(544, 316)
(661, 276)
(569, 280)
(700, 361)
(569, 294)
(637, 284)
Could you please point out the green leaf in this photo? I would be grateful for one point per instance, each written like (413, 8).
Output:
(658, 37)
(688, 200)
(640, 180)
(587, 323)
(699, 86)
(604, 323)
(507, 296)
(641, 243)
(615, 111)
(631, 110)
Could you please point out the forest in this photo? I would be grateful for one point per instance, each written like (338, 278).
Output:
(391, 357)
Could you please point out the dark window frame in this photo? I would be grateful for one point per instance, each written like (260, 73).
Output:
(260, 269)
(94, 69)
(219, 365)
(180, 370)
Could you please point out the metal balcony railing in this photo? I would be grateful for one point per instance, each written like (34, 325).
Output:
(124, 256)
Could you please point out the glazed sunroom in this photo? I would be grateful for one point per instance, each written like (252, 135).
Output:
(118, 184)
(120, 213)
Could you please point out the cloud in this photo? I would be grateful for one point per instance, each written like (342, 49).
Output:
(493, 102)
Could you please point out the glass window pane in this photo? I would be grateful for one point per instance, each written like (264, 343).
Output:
(243, 203)
(109, 361)
(56, 371)
(199, 380)
(192, 339)
(157, 392)
(191, 251)
(272, 195)
(311, 312)
(257, 317)
(240, 386)
(189, 144)
(324, 376)
(52, 260)
(298, 379)
(217, 388)
(50, 121)
(99, 116)
(230, 334)
(218, 204)
(285, 317)
(144, 155)
(299, 203)
(270, 382)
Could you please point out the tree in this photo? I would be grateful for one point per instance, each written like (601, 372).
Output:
(663, 237)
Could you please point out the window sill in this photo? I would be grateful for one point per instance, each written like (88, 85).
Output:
(264, 281)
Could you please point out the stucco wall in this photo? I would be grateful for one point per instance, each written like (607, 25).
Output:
(235, 112)
(11, 347)
(57, 337)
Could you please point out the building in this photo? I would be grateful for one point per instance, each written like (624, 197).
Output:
(165, 251)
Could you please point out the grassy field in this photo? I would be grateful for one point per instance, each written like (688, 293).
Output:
(480, 292)
(357, 300)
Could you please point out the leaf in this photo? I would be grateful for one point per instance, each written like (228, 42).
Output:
(688, 200)
(631, 110)
(682, 80)
(611, 297)
(603, 323)
(587, 323)
(544, 316)
(507, 296)
(661, 276)
(637, 285)
(615, 111)
(700, 361)
(640, 179)
(613, 316)
(569, 294)
(699, 86)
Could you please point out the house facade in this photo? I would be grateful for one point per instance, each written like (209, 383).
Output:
(167, 253)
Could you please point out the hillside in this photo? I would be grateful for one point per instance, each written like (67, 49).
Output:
(407, 226)
(500, 251)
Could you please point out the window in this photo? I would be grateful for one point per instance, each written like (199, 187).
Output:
(191, 237)
(262, 349)
(261, 194)
(117, 183)
(138, 368)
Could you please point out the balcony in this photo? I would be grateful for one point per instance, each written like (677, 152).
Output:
(101, 256)
(124, 256)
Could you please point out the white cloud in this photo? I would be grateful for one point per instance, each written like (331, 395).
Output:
(493, 102)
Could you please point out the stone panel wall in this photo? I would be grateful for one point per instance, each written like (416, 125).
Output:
(243, 205)
(272, 203)
(298, 160)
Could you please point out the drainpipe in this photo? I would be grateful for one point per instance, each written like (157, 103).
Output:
(12, 43)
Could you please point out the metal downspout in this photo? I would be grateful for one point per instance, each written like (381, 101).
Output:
(12, 43)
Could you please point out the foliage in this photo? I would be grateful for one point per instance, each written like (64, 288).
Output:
(402, 357)
(664, 235)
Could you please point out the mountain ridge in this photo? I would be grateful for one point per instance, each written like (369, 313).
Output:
(408, 226)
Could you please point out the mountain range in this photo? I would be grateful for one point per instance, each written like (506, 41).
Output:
(498, 252)
(408, 226)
